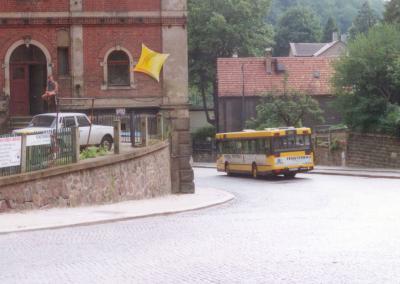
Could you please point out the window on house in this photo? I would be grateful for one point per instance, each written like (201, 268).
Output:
(63, 61)
(118, 69)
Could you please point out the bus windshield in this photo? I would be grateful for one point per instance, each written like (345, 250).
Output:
(291, 143)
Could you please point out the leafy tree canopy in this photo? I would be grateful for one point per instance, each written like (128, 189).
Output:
(289, 109)
(365, 19)
(342, 10)
(220, 28)
(330, 28)
(392, 12)
(368, 79)
(298, 24)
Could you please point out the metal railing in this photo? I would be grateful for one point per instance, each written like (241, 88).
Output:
(59, 152)
(37, 151)
(139, 129)
(147, 129)
(43, 150)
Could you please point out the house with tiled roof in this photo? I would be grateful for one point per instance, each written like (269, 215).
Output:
(315, 49)
(242, 82)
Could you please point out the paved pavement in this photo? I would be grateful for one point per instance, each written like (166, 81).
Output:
(342, 171)
(313, 229)
(66, 217)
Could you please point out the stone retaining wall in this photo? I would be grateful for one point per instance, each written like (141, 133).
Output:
(138, 174)
(374, 151)
(361, 150)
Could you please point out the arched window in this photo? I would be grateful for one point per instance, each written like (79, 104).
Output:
(118, 69)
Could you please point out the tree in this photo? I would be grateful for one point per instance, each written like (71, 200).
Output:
(220, 28)
(344, 11)
(367, 81)
(330, 28)
(392, 12)
(288, 109)
(296, 25)
(365, 19)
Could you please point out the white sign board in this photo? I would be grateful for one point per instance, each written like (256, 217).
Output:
(38, 139)
(10, 152)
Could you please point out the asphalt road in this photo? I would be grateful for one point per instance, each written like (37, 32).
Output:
(314, 229)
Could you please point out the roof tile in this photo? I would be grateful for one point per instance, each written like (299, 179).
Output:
(305, 74)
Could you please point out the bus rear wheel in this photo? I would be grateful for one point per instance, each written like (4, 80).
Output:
(290, 175)
(254, 171)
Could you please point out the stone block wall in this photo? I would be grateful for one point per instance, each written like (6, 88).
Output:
(360, 150)
(373, 151)
(138, 175)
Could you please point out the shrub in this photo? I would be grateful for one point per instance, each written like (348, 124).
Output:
(204, 133)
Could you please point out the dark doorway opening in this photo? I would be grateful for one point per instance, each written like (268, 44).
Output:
(28, 80)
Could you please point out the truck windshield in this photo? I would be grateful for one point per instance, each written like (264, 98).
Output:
(43, 121)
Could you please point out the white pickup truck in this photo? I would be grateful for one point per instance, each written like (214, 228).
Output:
(99, 134)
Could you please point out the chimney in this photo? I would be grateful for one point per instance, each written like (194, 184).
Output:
(343, 38)
(335, 36)
(268, 60)
(235, 54)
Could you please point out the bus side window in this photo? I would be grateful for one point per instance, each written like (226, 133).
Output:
(260, 147)
(238, 148)
(253, 147)
(244, 147)
(267, 146)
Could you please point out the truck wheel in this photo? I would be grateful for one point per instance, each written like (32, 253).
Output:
(106, 142)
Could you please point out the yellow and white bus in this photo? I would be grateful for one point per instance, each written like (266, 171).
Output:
(273, 151)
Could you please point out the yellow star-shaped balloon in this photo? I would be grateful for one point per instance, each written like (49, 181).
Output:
(151, 62)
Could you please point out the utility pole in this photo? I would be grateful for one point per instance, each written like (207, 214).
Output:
(243, 99)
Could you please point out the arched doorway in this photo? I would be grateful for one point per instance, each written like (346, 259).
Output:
(28, 73)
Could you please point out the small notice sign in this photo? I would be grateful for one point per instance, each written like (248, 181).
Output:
(10, 151)
(120, 111)
(38, 139)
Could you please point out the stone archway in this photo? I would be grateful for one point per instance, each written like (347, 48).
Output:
(27, 65)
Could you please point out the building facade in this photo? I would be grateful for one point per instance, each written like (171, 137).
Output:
(243, 81)
(91, 47)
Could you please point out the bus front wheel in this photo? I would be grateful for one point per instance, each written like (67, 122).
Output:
(290, 175)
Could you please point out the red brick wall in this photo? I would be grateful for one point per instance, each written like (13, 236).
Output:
(121, 5)
(98, 40)
(34, 5)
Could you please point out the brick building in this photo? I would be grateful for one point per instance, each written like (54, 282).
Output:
(91, 46)
(242, 81)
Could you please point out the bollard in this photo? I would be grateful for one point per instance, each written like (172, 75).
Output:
(117, 136)
(23, 153)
